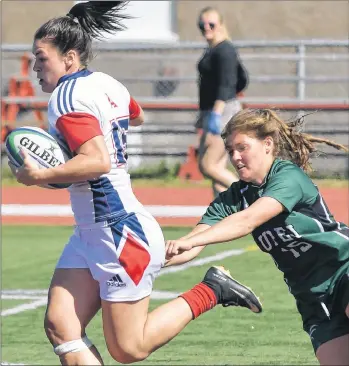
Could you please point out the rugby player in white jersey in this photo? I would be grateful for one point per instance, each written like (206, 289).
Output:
(117, 248)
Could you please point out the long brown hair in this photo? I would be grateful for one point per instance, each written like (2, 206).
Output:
(289, 142)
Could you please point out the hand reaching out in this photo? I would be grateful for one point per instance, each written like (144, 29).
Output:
(175, 247)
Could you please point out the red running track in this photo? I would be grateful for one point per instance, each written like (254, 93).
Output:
(337, 200)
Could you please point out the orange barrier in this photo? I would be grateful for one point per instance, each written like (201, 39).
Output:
(20, 87)
(189, 170)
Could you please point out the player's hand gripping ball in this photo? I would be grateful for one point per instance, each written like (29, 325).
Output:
(31, 148)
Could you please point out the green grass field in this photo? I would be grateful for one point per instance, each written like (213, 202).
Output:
(220, 337)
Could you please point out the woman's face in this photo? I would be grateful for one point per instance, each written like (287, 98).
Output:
(49, 65)
(251, 157)
(210, 25)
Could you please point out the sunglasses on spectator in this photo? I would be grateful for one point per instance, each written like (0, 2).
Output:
(202, 24)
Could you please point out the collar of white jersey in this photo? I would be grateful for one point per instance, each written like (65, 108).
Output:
(74, 75)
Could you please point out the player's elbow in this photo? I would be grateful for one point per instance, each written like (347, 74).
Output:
(136, 122)
(103, 165)
(139, 120)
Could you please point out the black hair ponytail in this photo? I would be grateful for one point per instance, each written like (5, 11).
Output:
(84, 22)
(96, 17)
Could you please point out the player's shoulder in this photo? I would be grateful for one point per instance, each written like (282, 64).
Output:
(71, 87)
(285, 166)
(286, 170)
(83, 90)
(69, 96)
(84, 85)
(101, 77)
(94, 84)
(104, 84)
(106, 80)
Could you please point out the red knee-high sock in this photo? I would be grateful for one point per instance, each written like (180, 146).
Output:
(200, 299)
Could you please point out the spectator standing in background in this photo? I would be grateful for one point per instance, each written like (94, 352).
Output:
(221, 77)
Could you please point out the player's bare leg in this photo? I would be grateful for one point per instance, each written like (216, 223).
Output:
(334, 352)
(132, 333)
(212, 162)
(221, 166)
(73, 301)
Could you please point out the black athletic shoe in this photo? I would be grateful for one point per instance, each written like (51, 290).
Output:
(230, 292)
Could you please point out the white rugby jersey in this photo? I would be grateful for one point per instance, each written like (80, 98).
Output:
(86, 104)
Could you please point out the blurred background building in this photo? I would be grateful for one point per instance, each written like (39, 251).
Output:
(272, 20)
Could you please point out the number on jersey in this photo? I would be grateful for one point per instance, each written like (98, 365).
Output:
(120, 129)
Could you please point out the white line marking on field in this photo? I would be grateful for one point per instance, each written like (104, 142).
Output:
(24, 307)
(65, 210)
(36, 210)
(24, 292)
(201, 261)
(20, 297)
(40, 296)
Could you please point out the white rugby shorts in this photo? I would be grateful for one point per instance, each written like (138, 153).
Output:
(124, 256)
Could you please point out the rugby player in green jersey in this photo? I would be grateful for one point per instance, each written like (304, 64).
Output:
(281, 207)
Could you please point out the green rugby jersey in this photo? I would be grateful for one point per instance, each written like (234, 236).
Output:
(305, 241)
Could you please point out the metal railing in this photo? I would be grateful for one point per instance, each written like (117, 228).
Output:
(139, 64)
(299, 52)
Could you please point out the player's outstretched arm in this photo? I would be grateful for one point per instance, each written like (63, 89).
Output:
(191, 254)
(232, 227)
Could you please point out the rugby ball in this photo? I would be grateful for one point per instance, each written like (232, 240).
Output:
(41, 147)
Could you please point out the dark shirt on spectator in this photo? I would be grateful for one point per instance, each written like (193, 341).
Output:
(217, 74)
